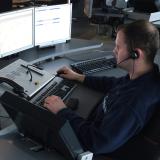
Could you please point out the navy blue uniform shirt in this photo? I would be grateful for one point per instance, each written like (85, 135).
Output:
(124, 111)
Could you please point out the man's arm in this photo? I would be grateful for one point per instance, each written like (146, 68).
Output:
(68, 73)
(102, 84)
(114, 130)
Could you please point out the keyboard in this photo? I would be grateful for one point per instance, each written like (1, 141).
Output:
(61, 88)
(94, 65)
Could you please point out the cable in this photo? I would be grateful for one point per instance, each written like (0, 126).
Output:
(123, 60)
(29, 71)
(132, 70)
(132, 65)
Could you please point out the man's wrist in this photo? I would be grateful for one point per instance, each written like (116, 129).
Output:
(59, 109)
(80, 77)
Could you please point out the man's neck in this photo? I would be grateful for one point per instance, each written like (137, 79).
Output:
(140, 70)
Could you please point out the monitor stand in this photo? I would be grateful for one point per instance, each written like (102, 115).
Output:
(51, 44)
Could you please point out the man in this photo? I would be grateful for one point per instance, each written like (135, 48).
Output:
(129, 101)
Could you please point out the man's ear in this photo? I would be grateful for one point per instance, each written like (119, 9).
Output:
(140, 53)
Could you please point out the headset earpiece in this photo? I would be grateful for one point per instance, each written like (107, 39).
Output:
(134, 55)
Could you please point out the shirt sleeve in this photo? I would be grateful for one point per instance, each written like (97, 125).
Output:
(102, 84)
(114, 130)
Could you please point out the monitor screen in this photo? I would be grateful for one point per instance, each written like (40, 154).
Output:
(52, 24)
(16, 31)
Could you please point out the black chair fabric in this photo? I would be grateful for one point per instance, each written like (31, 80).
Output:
(145, 146)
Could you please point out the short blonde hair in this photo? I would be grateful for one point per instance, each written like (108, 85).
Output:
(141, 34)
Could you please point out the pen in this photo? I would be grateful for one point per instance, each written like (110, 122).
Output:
(27, 67)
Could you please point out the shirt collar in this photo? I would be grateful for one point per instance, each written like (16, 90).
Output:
(152, 73)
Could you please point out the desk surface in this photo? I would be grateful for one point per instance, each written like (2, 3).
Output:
(86, 103)
(35, 55)
(20, 148)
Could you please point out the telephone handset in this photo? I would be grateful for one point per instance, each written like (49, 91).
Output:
(16, 87)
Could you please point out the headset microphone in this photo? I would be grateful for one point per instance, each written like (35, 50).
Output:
(133, 55)
(123, 60)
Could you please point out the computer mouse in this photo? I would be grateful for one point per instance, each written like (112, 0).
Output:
(59, 73)
(72, 103)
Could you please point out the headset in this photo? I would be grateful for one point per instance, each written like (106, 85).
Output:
(134, 54)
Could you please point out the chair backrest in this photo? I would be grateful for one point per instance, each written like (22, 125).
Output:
(118, 4)
(145, 145)
(88, 4)
(112, 6)
(152, 129)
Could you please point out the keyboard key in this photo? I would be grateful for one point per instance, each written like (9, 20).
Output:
(94, 65)
(62, 89)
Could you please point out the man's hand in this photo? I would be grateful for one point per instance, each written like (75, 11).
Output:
(68, 73)
(54, 104)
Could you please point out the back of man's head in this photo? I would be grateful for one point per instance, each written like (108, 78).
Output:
(141, 34)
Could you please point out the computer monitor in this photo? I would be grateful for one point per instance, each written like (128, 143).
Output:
(52, 24)
(16, 31)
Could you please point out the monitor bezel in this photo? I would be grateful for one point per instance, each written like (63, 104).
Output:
(23, 48)
(58, 41)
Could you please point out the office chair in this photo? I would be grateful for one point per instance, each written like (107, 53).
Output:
(144, 146)
(104, 16)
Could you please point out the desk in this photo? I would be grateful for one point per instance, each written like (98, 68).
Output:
(74, 45)
(87, 98)
(87, 102)
(35, 55)
(22, 147)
